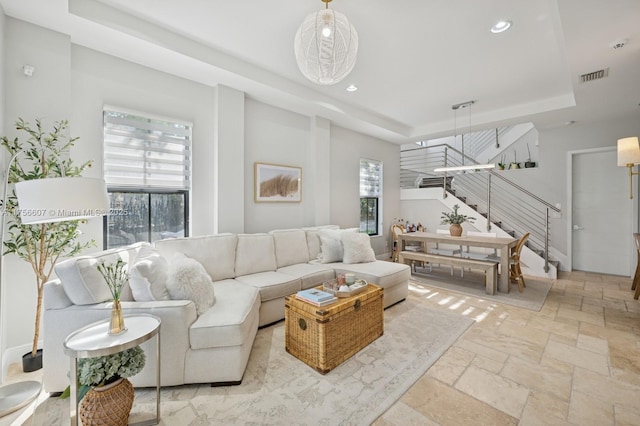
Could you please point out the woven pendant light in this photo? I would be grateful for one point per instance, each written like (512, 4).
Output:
(326, 46)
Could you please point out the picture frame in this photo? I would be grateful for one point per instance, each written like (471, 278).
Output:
(276, 183)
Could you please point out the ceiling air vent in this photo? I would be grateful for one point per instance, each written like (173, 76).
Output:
(595, 75)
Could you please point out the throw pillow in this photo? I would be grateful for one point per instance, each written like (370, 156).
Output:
(187, 279)
(148, 276)
(357, 248)
(331, 249)
(331, 244)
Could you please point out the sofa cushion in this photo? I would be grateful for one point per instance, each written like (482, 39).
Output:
(83, 283)
(271, 284)
(217, 253)
(357, 248)
(310, 274)
(188, 280)
(255, 253)
(383, 273)
(291, 247)
(229, 321)
(148, 276)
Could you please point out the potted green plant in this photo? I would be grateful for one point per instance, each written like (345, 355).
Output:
(104, 390)
(44, 155)
(456, 220)
(502, 165)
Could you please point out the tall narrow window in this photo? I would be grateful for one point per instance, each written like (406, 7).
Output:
(370, 196)
(147, 167)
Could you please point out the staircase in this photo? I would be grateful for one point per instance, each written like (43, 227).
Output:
(499, 204)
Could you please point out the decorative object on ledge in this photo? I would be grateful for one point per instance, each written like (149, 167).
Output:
(276, 183)
(456, 220)
(326, 46)
(514, 164)
(502, 165)
(629, 156)
(529, 164)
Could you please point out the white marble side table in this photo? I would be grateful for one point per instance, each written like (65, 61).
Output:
(94, 340)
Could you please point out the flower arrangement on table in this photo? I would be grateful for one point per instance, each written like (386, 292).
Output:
(116, 276)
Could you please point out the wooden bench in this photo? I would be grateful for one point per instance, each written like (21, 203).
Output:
(490, 268)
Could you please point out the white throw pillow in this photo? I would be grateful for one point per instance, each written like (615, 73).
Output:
(148, 276)
(331, 244)
(357, 248)
(188, 280)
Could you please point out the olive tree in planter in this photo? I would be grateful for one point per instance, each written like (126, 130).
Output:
(41, 155)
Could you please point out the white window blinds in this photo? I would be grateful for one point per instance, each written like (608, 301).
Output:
(370, 178)
(141, 152)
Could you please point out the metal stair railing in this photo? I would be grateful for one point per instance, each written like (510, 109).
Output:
(501, 201)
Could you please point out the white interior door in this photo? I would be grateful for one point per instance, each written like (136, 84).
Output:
(602, 223)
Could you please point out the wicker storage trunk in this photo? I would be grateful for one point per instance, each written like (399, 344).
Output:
(324, 337)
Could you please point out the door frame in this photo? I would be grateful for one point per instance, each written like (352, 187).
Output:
(633, 206)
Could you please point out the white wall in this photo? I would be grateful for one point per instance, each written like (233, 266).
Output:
(347, 147)
(549, 179)
(275, 136)
(44, 95)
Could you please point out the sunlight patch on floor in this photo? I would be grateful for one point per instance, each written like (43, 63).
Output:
(454, 303)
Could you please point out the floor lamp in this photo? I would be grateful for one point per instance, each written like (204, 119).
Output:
(46, 201)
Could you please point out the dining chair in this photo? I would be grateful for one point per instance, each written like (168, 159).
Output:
(481, 252)
(397, 244)
(447, 249)
(396, 230)
(636, 277)
(515, 271)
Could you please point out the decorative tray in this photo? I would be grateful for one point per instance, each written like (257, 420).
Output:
(357, 287)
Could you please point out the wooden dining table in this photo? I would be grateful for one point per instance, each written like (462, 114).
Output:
(504, 245)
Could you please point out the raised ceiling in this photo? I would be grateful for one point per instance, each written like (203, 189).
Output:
(416, 57)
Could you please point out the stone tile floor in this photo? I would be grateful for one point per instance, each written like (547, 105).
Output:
(576, 362)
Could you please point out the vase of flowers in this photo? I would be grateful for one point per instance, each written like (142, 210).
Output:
(116, 277)
(105, 392)
(456, 220)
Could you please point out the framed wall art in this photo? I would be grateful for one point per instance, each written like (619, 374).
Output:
(274, 183)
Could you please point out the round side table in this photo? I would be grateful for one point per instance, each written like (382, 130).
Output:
(94, 340)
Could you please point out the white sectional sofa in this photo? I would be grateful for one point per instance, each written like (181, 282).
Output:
(250, 275)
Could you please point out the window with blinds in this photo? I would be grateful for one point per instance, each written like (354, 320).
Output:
(147, 167)
(370, 196)
(143, 152)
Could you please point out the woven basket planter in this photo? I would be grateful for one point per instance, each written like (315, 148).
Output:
(455, 230)
(107, 405)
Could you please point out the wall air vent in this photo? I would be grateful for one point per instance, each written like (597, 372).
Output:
(595, 75)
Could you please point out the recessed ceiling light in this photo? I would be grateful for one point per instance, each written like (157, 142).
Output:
(501, 26)
(352, 88)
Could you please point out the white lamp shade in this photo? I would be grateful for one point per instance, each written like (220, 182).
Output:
(59, 199)
(326, 46)
(628, 151)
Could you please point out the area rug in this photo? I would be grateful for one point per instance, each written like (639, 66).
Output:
(472, 284)
(278, 389)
